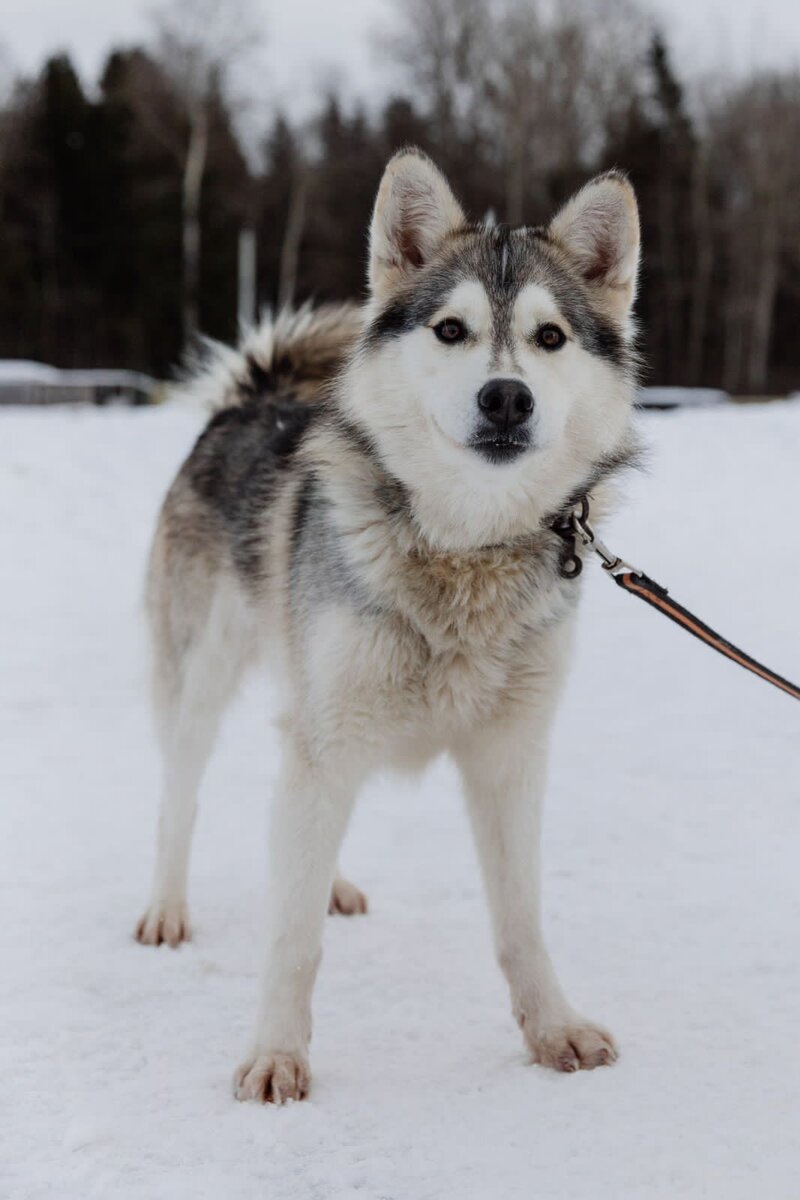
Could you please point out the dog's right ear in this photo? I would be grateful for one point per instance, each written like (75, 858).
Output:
(414, 211)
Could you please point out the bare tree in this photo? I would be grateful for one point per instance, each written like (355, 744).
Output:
(576, 66)
(295, 223)
(199, 43)
(6, 74)
(441, 45)
(6, 84)
(756, 129)
(702, 222)
(537, 81)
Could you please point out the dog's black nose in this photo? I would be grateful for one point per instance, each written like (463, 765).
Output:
(505, 402)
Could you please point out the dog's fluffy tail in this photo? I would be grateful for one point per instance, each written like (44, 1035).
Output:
(289, 357)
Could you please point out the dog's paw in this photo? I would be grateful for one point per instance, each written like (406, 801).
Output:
(346, 899)
(272, 1079)
(576, 1046)
(164, 923)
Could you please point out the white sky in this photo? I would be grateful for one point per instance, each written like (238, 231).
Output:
(310, 42)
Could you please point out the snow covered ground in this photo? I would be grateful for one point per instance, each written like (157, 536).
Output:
(672, 882)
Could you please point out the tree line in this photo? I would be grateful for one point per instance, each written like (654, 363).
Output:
(121, 207)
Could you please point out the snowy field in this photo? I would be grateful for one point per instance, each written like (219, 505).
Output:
(672, 880)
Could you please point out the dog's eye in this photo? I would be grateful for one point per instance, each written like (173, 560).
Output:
(550, 337)
(450, 331)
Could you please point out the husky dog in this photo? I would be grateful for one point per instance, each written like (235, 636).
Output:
(370, 511)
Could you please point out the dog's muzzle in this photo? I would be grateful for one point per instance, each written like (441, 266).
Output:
(504, 431)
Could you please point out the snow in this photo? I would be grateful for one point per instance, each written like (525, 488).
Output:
(672, 889)
(21, 370)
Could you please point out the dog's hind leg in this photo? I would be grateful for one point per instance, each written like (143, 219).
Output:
(198, 663)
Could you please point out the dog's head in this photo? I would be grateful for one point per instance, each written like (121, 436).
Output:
(496, 371)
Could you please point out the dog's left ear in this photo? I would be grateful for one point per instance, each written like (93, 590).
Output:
(599, 229)
(414, 211)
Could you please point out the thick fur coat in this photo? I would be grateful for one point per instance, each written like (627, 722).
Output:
(368, 513)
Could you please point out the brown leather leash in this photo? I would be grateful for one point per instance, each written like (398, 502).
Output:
(573, 527)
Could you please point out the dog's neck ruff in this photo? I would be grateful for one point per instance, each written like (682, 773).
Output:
(380, 486)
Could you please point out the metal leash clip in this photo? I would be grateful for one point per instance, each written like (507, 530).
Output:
(579, 520)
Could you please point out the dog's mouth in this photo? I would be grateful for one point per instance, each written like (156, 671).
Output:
(497, 447)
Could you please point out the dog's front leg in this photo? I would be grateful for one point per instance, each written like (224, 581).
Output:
(309, 818)
(504, 772)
